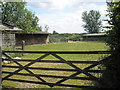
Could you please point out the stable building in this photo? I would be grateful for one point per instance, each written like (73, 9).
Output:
(11, 36)
(32, 38)
(95, 37)
(7, 34)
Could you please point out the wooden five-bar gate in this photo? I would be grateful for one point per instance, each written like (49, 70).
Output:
(57, 54)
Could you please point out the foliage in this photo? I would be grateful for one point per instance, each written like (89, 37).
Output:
(114, 32)
(0, 11)
(46, 28)
(111, 76)
(54, 32)
(75, 38)
(92, 21)
(55, 37)
(15, 13)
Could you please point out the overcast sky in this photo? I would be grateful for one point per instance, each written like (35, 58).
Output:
(64, 16)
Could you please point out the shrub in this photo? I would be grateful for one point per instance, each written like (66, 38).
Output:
(111, 76)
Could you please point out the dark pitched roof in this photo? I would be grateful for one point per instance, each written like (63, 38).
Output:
(45, 33)
(95, 34)
(41, 32)
(6, 27)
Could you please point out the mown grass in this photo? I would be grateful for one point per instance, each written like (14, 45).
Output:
(76, 46)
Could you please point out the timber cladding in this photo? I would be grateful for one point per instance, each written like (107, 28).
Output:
(31, 39)
(95, 37)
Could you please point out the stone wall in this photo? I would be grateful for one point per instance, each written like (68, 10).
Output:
(8, 39)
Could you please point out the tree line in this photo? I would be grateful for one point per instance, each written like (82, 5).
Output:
(64, 37)
(15, 14)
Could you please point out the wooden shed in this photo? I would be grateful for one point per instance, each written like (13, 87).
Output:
(7, 34)
(32, 38)
(95, 37)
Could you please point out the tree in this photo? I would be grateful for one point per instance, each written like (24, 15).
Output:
(54, 32)
(46, 28)
(114, 28)
(111, 76)
(11, 11)
(92, 21)
(15, 13)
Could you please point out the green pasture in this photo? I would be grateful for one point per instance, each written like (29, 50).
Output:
(75, 46)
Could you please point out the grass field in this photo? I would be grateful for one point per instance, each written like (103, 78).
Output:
(76, 46)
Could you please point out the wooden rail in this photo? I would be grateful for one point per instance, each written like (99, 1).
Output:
(75, 69)
(62, 52)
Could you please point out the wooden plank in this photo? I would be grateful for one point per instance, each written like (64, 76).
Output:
(38, 59)
(51, 76)
(20, 67)
(35, 75)
(64, 79)
(75, 74)
(62, 52)
(76, 69)
(65, 85)
(40, 68)
(54, 69)
(52, 61)
(68, 63)
(25, 67)
(23, 45)
(97, 63)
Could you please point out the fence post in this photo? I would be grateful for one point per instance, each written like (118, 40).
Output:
(23, 45)
(0, 68)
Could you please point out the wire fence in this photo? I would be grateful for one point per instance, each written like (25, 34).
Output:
(77, 37)
(64, 37)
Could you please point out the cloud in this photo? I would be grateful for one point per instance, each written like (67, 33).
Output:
(64, 21)
(51, 4)
(59, 4)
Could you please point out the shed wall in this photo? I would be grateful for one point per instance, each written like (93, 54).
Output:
(31, 39)
(94, 38)
(8, 39)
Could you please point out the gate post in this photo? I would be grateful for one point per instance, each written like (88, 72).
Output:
(23, 45)
(0, 68)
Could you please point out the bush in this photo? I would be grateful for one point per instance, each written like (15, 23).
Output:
(111, 76)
